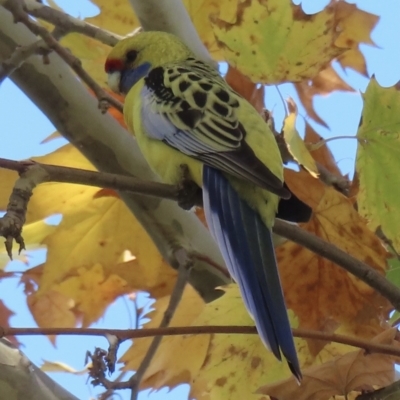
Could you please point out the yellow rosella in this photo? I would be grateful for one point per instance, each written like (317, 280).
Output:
(184, 113)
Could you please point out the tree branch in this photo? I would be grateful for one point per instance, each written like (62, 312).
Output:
(56, 173)
(20, 55)
(21, 379)
(16, 7)
(124, 334)
(391, 392)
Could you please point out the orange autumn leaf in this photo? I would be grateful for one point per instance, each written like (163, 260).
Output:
(52, 310)
(325, 82)
(307, 188)
(246, 88)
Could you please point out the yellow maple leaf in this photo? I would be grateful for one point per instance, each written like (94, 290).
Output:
(60, 198)
(158, 280)
(91, 53)
(94, 230)
(296, 145)
(178, 359)
(236, 365)
(302, 44)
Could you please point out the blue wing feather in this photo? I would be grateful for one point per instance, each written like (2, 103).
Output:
(246, 244)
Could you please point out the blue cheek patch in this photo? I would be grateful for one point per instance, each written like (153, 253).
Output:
(130, 76)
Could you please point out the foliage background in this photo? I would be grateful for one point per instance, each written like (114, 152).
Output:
(340, 110)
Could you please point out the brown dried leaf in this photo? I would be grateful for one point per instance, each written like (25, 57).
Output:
(355, 27)
(357, 370)
(316, 289)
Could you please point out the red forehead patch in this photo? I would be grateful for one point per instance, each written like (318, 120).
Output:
(113, 64)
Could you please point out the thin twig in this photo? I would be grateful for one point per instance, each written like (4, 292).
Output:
(185, 266)
(68, 23)
(390, 392)
(329, 251)
(369, 346)
(18, 57)
(16, 7)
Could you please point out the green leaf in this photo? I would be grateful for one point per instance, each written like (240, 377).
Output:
(378, 160)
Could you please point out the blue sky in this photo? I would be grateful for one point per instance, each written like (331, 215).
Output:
(23, 137)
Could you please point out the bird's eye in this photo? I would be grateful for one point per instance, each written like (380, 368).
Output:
(131, 56)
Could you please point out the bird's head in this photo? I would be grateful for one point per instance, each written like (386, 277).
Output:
(132, 58)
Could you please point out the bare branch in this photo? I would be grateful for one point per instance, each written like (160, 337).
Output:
(68, 23)
(18, 57)
(371, 347)
(21, 379)
(56, 173)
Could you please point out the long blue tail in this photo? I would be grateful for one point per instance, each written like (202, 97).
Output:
(247, 247)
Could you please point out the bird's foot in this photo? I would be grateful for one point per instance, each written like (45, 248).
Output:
(190, 194)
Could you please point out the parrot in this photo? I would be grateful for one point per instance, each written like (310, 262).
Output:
(183, 113)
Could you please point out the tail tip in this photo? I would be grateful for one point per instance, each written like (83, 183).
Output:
(295, 369)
